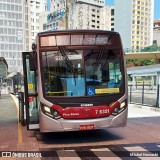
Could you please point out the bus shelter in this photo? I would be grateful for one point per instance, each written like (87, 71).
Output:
(3, 69)
(14, 82)
(152, 71)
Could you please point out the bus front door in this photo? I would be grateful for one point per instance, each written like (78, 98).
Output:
(30, 90)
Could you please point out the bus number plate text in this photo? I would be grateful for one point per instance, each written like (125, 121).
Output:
(86, 127)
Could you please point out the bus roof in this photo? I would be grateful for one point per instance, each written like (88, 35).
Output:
(75, 31)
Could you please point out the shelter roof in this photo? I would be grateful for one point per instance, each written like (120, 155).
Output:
(144, 70)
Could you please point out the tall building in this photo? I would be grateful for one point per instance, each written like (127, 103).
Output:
(36, 7)
(156, 32)
(14, 32)
(77, 14)
(134, 21)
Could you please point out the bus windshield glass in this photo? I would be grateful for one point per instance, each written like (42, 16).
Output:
(81, 72)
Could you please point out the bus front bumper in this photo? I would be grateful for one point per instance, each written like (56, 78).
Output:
(48, 124)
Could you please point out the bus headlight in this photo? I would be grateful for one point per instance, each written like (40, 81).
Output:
(47, 109)
(50, 112)
(123, 104)
(118, 109)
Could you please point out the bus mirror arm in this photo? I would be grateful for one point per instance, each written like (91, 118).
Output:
(33, 61)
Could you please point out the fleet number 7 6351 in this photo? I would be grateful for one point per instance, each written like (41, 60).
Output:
(102, 111)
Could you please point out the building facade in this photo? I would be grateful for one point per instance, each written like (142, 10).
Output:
(156, 32)
(14, 32)
(36, 7)
(76, 14)
(134, 21)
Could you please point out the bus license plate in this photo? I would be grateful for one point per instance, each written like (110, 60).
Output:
(86, 127)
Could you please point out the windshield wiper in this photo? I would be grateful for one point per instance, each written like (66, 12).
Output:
(95, 67)
(68, 62)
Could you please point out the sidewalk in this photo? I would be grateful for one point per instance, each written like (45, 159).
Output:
(13, 136)
(8, 124)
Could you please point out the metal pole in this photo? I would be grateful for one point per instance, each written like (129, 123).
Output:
(130, 93)
(158, 91)
(143, 93)
(157, 102)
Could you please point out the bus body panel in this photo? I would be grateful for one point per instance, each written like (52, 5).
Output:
(48, 124)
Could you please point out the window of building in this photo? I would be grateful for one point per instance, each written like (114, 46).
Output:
(12, 7)
(4, 7)
(112, 12)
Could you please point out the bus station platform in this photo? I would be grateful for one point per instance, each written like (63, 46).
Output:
(13, 136)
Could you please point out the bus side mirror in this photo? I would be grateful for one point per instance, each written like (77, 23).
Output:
(33, 60)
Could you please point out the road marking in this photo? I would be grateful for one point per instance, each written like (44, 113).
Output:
(106, 154)
(19, 125)
(68, 155)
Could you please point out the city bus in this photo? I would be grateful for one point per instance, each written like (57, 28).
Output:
(75, 80)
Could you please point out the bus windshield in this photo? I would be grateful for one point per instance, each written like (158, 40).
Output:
(81, 72)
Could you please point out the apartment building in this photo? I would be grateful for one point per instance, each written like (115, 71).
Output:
(14, 32)
(36, 7)
(134, 21)
(77, 14)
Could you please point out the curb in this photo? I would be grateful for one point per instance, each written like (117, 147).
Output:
(144, 107)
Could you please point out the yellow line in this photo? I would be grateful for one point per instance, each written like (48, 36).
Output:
(19, 125)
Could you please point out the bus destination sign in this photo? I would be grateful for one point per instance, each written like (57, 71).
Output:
(64, 40)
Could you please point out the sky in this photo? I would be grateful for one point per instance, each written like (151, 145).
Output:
(156, 8)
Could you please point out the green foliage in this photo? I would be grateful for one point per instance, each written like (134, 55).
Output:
(144, 62)
(151, 48)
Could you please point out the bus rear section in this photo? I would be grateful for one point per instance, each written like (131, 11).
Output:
(75, 80)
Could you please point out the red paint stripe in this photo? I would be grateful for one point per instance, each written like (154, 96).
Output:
(86, 112)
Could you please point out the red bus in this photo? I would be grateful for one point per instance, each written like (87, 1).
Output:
(75, 80)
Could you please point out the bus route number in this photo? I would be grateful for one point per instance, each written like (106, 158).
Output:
(102, 111)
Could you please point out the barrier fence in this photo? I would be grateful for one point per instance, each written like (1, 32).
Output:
(144, 94)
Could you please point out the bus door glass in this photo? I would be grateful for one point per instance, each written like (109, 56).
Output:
(32, 108)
